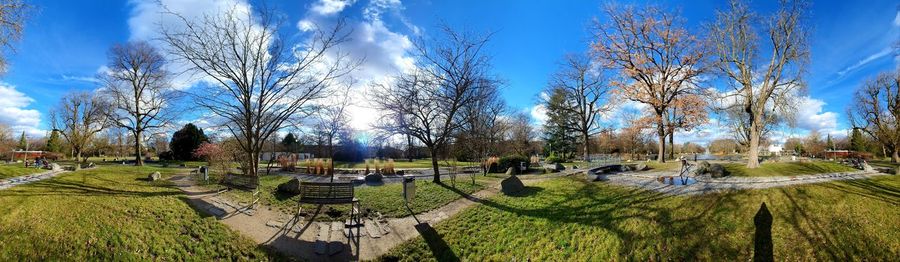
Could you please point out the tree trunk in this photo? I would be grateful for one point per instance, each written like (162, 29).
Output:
(77, 159)
(409, 148)
(138, 150)
(753, 153)
(434, 165)
(587, 145)
(672, 144)
(895, 156)
(661, 133)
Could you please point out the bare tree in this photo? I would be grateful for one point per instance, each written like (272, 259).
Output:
(78, 117)
(761, 87)
(425, 103)
(138, 89)
(658, 57)
(257, 79)
(585, 90)
(331, 119)
(13, 14)
(685, 113)
(483, 128)
(876, 111)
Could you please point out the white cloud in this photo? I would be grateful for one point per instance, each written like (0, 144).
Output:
(812, 116)
(383, 50)
(330, 7)
(539, 114)
(14, 112)
(882, 53)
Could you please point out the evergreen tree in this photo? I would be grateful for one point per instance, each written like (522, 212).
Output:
(857, 141)
(290, 143)
(23, 142)
(829, 145)
(53, 143)
(185, 141)
(560, 139)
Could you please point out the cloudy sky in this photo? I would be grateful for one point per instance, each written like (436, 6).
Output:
(65, 45)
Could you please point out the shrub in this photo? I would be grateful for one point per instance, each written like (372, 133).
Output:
(512, 161)
(167, 155)
(552, 159)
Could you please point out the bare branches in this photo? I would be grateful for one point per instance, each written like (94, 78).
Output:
(138, 88)
(13, 14)
(257, 80)
(876, 110)
(586, 92)
(452, 72)
(763, 86)
(78, 117)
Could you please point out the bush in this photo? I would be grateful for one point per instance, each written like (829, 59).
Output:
(553, 159)
(512, 161)
(167, 155)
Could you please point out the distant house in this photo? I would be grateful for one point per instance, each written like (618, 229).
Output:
(266, 156)
(837, 153)
(20, 155)
(774, 150)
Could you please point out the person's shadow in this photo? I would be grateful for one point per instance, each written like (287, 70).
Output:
(762, 239)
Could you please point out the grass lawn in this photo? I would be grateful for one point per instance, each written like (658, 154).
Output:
(111, 213)
(17, 169)
(787, 169)
(571, 220)
(385, 199)
(668, 165)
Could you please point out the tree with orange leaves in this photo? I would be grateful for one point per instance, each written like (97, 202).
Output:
(686, 113)
(658, 58)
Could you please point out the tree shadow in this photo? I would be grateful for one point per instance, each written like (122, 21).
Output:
(436, 243)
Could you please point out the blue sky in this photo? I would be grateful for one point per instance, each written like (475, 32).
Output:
(65, 45)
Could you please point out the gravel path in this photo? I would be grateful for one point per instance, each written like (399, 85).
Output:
(15, 181)
(648, 180)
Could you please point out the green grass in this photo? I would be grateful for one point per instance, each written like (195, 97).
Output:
(786, 169)
(17, 169)
(385, 199)
(669, 165)
(112, 213)
(572, 220)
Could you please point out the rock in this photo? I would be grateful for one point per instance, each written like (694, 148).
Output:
(290, 187)
(624, 168)
(55, 167)
(640, 167)
(374, 178)
(510, 171)
(400, 172)
(574, 167)
(155, 176)
(511, 185)
(717, 171)
(559, 167)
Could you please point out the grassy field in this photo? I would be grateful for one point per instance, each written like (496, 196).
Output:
(17, 169)
(385, 199)
(668, 165)
(571, 220)
(787, 169)
(112, 213)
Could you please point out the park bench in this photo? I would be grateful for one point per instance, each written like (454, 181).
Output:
(241, 182)
(324, 193)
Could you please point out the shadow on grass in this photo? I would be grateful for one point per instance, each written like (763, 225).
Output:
(57, 187)
(436, 243)
(762, 238)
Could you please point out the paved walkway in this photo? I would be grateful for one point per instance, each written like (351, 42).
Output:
(15, 181)
(705, 184)
(328, 241)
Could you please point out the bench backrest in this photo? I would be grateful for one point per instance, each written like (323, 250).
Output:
(240, 181)
(326, 193)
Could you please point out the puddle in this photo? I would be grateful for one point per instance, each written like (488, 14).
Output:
(676, 181)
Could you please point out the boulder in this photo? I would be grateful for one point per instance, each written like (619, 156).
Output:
(511, 185)
(559, 167)
(574, 167)
(155, 176)
(716, 171)
(374, 178)
(290, 187)
(640, 167)
(400, 173)
(55, 167)
(624, 168)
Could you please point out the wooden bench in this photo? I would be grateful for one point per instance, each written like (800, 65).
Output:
(324, 193)
(241, 182)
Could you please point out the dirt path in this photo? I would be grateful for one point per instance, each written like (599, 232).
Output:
(20, 180)
(327, 241)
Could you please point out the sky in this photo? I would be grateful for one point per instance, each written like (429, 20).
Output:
(66, 42)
